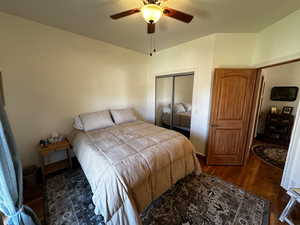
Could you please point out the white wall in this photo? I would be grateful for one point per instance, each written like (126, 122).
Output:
(200, 56)
(234, 50)
(51, 75)
(279, 42)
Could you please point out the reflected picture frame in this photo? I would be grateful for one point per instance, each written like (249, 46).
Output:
(273, 109)
(287, 110)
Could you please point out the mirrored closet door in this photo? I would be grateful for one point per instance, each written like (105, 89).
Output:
(173, 102)
(163, 101)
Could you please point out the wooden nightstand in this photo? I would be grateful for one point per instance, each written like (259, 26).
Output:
(53, 167)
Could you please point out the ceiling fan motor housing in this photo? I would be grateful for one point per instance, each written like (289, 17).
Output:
(152, 13)
(153, 1)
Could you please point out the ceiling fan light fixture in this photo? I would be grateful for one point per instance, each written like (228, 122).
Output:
(152, 13)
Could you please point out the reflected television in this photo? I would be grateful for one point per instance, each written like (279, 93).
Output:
(288, 93)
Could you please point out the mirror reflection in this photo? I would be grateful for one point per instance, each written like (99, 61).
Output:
(174, 97)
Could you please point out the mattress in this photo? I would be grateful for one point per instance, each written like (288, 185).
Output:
(130, 165)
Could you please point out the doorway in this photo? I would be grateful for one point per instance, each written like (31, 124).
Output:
(173, 101)
(278, 104)
(255, 174)
(253, 110)
(232, 100)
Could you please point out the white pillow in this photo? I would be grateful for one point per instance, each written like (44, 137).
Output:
(188, 107)
(179, 108)
(77, 124)
(123, 115)
(96, 120)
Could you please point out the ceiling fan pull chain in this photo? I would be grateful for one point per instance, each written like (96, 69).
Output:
(150, 44)
(154, 44)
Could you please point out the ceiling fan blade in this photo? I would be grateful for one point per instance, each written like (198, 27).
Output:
(178, 15)
(125, 13)
(151, 28)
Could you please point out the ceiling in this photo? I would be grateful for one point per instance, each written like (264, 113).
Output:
(91, 18)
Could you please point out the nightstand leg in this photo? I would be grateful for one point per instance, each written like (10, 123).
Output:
(43, 167)
(69, 158)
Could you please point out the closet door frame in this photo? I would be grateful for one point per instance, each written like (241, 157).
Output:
(173, 75)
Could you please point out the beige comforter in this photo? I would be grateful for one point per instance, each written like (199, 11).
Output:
(130, 165)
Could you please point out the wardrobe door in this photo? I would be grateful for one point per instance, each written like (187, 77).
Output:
(182, 106)
(163, 101)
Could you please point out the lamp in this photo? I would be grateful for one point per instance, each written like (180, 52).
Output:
(152, 13)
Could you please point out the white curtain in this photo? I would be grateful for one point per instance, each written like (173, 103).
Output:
(11, 178)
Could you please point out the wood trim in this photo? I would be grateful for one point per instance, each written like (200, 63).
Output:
(261, 89)
(254, 111)
(260, 100)
(280, 63)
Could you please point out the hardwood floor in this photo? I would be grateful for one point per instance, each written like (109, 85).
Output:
(258, 178)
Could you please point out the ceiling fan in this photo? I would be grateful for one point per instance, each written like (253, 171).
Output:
(152, 12)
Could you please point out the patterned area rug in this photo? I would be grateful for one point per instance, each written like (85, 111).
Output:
(274, 155)
(194, 200)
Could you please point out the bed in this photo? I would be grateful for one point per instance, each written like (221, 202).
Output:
(131, 164)
(181, 116)
(181, 120)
